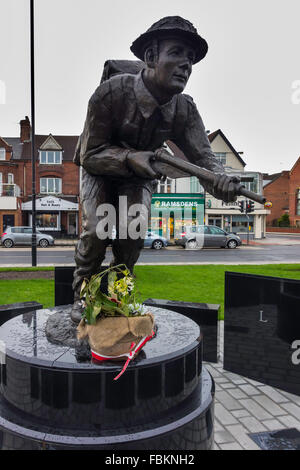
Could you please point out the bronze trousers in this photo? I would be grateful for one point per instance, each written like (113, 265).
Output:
(90, 250)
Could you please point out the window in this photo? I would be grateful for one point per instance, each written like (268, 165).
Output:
(2, 154)
(10, 178)
(251, 183)
(216, 230)
(50, 185)
(165, 187)
(194, 185)
(0, 184)
(221, 156)
(50, 157)
(298, 202)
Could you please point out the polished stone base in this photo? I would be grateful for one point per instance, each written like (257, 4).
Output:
(52, 398)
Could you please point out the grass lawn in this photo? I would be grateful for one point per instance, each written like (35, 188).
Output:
(188, 283)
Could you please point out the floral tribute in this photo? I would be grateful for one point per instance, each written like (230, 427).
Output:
(115, 323)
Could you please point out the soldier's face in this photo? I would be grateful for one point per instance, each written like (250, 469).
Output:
(174, 65)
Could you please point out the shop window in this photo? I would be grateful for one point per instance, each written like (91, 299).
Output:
(221, 157)
(47, 221)
(2, 154)
(240, 223)
(50, 185)
(50, 157)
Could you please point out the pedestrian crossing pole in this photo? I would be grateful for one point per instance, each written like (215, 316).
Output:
(33, 242)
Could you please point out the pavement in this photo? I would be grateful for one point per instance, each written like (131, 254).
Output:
(244, 406)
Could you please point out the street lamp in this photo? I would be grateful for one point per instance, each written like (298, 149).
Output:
(33, 242)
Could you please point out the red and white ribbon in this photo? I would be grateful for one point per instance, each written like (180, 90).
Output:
(133, 350)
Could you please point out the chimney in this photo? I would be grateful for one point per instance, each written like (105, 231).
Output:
(25, 130)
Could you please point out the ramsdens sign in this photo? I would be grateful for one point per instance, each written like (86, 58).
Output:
(167, 204)
(177, 201)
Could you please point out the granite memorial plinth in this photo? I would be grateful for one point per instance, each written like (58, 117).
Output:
(51, 397)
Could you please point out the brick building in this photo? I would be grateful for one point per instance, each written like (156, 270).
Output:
(57, 182)
(283, 190)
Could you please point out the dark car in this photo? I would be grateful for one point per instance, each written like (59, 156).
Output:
(206, 236)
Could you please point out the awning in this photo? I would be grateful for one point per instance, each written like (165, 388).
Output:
(51, 203)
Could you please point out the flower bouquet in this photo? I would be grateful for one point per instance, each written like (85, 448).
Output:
(116, 325)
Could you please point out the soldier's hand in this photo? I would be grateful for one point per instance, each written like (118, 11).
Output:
(140, 164)
(225, 187)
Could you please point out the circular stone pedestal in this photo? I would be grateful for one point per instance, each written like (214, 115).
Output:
(51, 400)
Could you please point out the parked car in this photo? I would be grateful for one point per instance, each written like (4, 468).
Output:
(152, 240)
(22, 236)
(198, 236)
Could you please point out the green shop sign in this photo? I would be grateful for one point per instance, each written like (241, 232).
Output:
(166, 203)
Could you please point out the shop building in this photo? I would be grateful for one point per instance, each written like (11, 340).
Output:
(214, 211)
(57, 182)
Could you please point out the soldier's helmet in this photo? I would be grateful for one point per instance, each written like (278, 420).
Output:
(171, 26)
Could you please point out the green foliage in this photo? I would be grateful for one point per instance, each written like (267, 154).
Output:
(120, 301)
(284, 220)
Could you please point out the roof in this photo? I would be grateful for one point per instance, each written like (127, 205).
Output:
(272, 178)
(67, 142)
(17, 146)
(178, 153)
(295, 164)
(213, 135)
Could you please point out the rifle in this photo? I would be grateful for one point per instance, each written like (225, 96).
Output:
(165, 164)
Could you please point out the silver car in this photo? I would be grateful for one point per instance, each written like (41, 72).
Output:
(205, 236)
(152, 240)
(23, 235)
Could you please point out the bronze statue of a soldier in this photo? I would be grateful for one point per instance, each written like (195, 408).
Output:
(129, 117)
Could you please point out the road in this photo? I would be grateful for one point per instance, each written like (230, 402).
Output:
(262, 254)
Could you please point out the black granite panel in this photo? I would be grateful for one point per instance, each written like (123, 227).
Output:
(150, 383)
(205, 315)
(86, 387)
(63, 280)
(262, 329)
(174, 377)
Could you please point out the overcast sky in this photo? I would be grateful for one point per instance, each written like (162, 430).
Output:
(244, 86)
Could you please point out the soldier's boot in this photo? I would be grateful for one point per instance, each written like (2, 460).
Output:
(77, 310)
